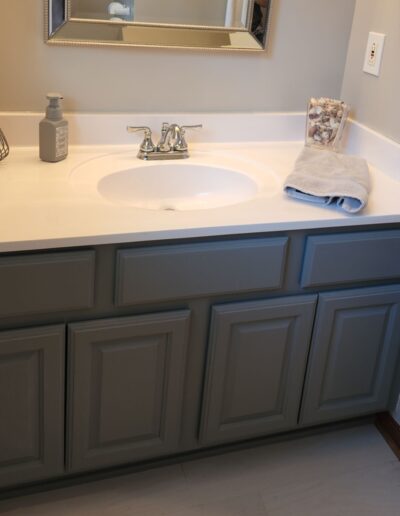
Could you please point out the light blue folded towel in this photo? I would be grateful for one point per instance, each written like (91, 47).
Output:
(329, 178)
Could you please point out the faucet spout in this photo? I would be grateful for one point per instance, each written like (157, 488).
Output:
(170, 136)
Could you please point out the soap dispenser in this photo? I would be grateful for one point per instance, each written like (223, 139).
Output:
(53, 132)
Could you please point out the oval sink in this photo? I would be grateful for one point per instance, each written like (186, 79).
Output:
(177, 187)
(204, 181)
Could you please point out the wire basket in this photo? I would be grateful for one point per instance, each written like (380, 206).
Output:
(4, 147)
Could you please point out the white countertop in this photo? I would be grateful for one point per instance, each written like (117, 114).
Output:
(40, 208)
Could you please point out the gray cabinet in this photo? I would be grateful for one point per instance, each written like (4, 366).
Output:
(355, 345)
(257, 360)
(145, 386)
(350, 258)
(31, 404)
(126, 378)
(150, 274)
(46, 282)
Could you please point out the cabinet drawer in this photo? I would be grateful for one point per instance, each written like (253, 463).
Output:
(178, 271)
(46, 282)
(351, 258)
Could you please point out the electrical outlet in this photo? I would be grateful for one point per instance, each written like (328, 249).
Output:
(374, 52)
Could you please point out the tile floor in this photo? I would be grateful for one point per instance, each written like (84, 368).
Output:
(348, 472)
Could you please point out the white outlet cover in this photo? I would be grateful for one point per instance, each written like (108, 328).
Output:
(373, 53)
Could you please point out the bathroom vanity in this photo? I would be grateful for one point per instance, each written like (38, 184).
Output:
(163, 348)
(186, 332)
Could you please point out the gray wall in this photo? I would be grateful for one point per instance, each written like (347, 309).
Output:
(375, 100)
(159, 11)
(92, 8)
(181, 11)
(306, 57)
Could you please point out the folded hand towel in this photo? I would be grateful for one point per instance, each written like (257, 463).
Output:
(329, 178)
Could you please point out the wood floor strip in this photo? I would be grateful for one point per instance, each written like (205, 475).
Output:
(390, 430)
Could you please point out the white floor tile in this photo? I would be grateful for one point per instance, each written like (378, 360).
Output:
(372, 491)
(349, 472)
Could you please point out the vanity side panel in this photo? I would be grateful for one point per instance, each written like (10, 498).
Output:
(183, 271)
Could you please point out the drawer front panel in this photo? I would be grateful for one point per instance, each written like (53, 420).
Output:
(351, 258)
(46, 283)
(173, 272)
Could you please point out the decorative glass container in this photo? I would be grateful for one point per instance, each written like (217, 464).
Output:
(326, 119)
(4, 148)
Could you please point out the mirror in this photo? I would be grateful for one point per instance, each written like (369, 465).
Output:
(203, 24)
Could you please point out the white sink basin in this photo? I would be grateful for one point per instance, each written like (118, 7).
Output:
(198, 183)
(182, 187)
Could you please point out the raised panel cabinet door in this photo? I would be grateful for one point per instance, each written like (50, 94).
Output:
(353, 354)
(32, 367)
(126, 387)
(256, 365)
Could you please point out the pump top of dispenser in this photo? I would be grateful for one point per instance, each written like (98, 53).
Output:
(54, 111)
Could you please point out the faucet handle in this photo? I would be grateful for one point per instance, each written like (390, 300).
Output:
(198, 126)
(181, 144)
(147, 144)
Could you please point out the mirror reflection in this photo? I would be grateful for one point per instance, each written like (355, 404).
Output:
(240, 24)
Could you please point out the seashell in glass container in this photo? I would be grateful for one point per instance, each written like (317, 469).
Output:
(4, 148)
(326, 119)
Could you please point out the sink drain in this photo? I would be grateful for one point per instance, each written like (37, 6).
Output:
(168, 208)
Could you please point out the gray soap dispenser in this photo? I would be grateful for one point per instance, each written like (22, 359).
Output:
(53, 132)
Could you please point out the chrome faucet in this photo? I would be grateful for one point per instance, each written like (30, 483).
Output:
(172, 144)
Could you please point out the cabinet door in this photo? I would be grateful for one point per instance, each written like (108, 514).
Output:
(31, 404)
(257, 360)
(353, 354)
(126, 377)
